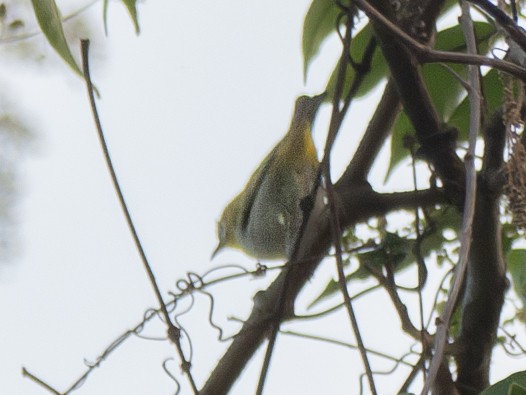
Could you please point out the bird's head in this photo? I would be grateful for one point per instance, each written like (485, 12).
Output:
(228, 225)
(307, 107)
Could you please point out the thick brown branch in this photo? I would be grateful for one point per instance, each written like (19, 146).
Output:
(438, 144)
(486, 280)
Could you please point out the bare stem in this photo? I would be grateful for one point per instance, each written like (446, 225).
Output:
(174, 333)
(469, 202)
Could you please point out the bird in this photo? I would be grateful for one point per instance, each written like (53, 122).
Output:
(264, 219)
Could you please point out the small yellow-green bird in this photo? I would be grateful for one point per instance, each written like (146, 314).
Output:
(264, 219)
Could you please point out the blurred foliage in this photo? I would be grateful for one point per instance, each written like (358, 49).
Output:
(20, 42)
(14, 139)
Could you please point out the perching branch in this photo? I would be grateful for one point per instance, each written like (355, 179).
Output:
(354, 204)
(486, 281)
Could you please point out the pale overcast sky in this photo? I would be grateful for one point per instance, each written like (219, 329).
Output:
(189, 108)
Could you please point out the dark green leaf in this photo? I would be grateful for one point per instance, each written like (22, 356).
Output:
(48, 17)
(452, 39)
(516, 389)
(502, 387)
(377, 72)
(439, 220)
(454, 322)
(445, 90)
(399, 152)
(492, 89)
(319, 22)
(509, 235)
(16, 24)
(131, 6)
(393, 250)
(517, 267)
(448, 4)
(332, 287)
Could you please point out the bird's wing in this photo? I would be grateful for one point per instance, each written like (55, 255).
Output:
(254, 185)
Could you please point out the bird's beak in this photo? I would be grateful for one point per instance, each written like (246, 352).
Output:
(318, 100)
(218, 248)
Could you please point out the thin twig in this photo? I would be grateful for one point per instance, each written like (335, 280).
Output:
(474, 94)
(507, 23)
(389, 284)
(335, 227)
(274, 333)
(422, 270)
(410, 378)
(185, 288)
(174, 333)
(437, 295)
(334, 308)
(26, 373)
(347, 345)
(427, 54)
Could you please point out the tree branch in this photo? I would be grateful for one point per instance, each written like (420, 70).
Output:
(425, 54)
(353, 204)
(325, 165)
(475, 102)
(515, 32)
(437, 143)
(174, 333)
(486, 280)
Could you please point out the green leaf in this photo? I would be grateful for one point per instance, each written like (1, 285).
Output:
(393, 249)
(447, 102)
(439, 220)
(49, 19)
(319, 22)
(131, 6)
(399, 152)
(516, 389)
(509, 234)
(377, 72)
(492, 89)
(454, 322)
(399, 251)
(332, 287)
(514, 382)
(517, 266)
(452, 39)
